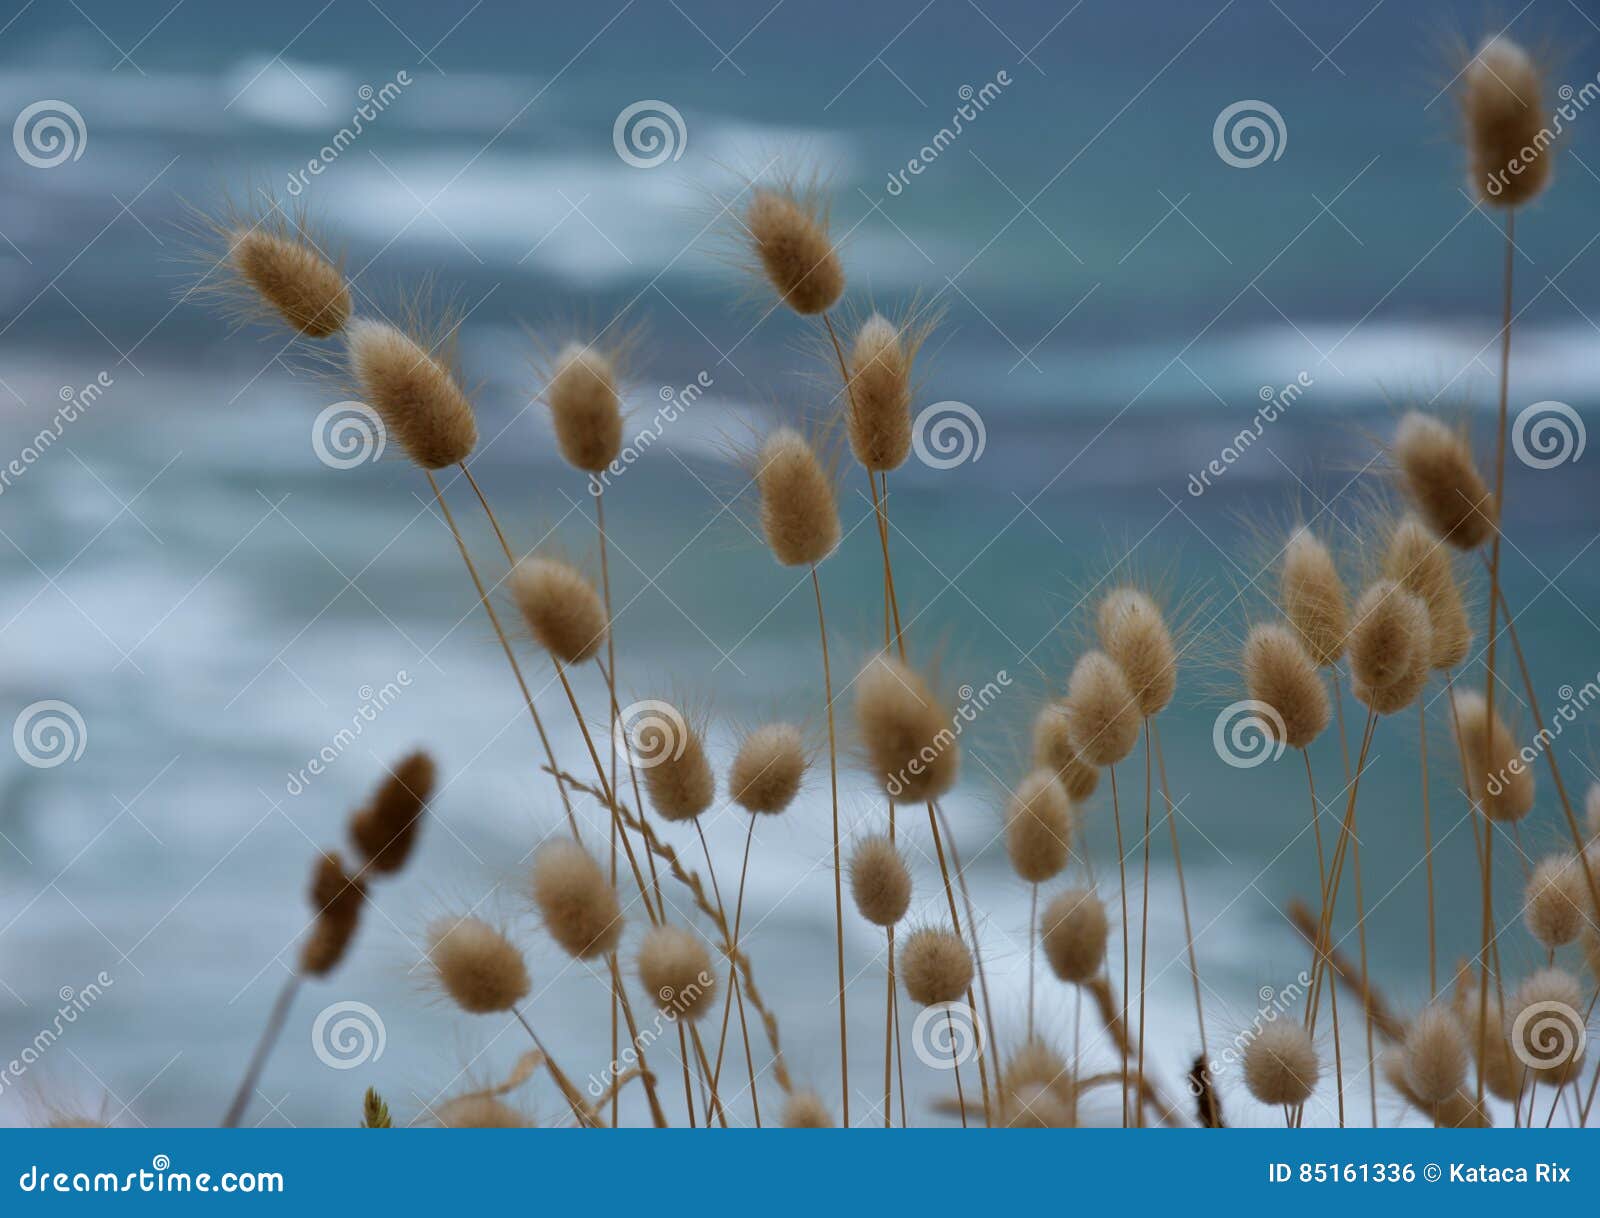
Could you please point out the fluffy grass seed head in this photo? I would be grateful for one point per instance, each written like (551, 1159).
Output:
(1105, 711)
(335, 900)
(1502, 102)
(1039, 827)
(878, 406)
(1135, 635)
(1435, 1054)
(787, 230)
(561, 606)
(1442, 480)
(1417, 560)
(1279, 672)
(1391, 647)
(677, 773)
(1313, 597)
(575, 899)
(799, 509)
(912, 750)
(414, 392)
(768, 768)
(1498, 779)
(805, 1110)
(265, 263)
(476, 965)
(880, 882)
(585, 407)
(935, 965)
(1503, 1075)
(676, 968)
(1280, 1064)
(384, 831)
(1555, 900)
(1073, 929)
(1053, 750)
(1546, 1025)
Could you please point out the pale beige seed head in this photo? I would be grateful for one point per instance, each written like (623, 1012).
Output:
(1411, 620)
(879, 881)
(1053, 750)
(1545, 1025)
(1280, 1064)
(1384, 635)
(768, 768)
(1279, 672)
(677, 774)
(479, 1111)
(1073, 930)
(1039, 824)
(1105, 712)
(911, 748)
(1555, 900)
(1503, 1074)
(1135, 635)
(293, 277)
(799, 511)
(789, 235)
(1442, 480)
(585, 408)
(878, 410)
(417, 397)
(1420, 563)
(1436, 1054)
(935, 966)
(1457, 1110)
(805, 1110)
(575, 900)
(478, 967)
(1499, 780)
(1511, 157)
(1313, 596)
(562, 608)
(676, 968)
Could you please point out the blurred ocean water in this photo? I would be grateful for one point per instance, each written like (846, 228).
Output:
(218, 605)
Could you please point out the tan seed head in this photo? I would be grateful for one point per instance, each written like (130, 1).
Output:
(575, 900)
(935, 966)
(789, 235)
(585, 408)
(879, 881)
(676, 969)
(562, 608)
(416, 395)
(1105, 712)
(476, 965)
(1039, 827)
(1135, 635)
(911, 748)
(768, 768)
(1072, 931)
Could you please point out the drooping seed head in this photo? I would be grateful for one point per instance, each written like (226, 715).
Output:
(384, 831)
(805, 1110)
(292, 277)
(1498, 779)
(768, 768)
(1105, 713)
(799, 510)
(415, 394)
(1436, 1054)
(1053, 750)
(1555, 900)
(1420, 563)
(1313, 597)
(1510, 154)
(935, 966)
(676, 969)
(788, 232)
(879, 881)
(878, 407)
(1280, 1064)
(1135, 635)
(1546, 1025)
(1279, 672)
(1442, 480)
(912, 750)
(575, 899)
(476, 965)
(1073, 930)
(678, 776)
(1039, 827)
(562, 608)
(585, 408)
